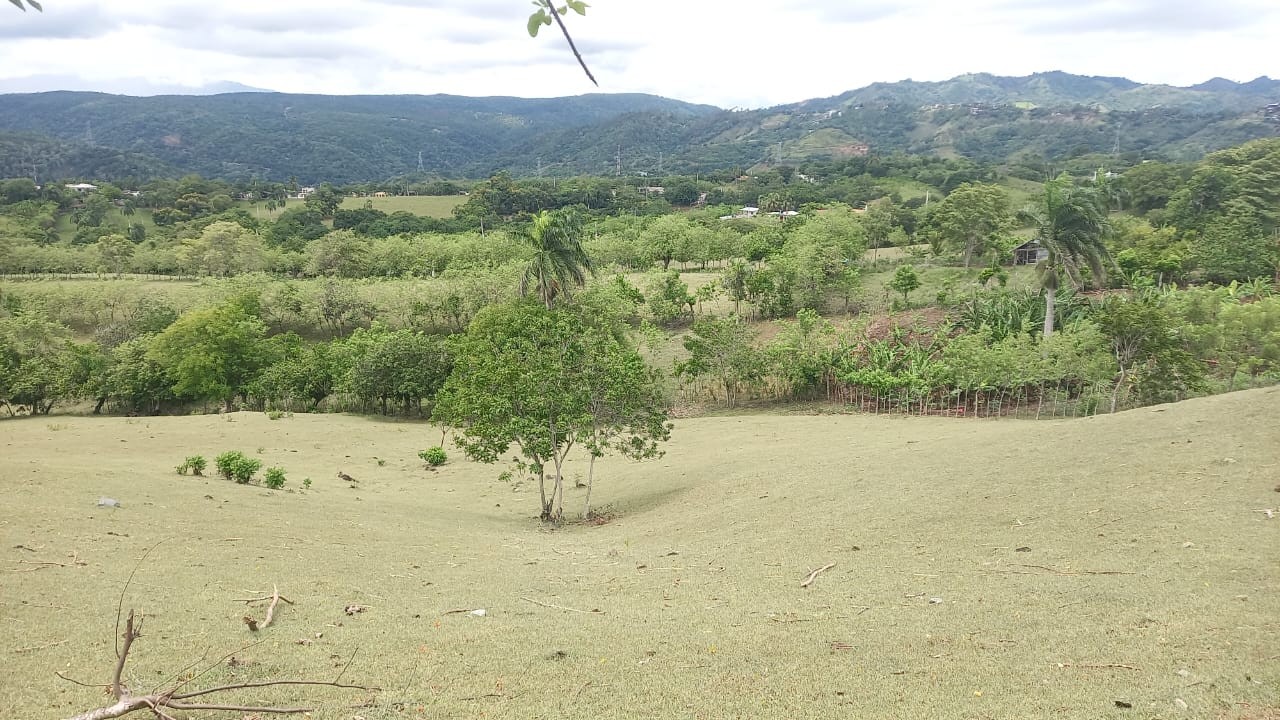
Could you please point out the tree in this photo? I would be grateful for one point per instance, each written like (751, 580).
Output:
(35, 362)
(558, 261)
(666, 296)
(626, 404)
(222, 249)
(534, 377)
(405, 366)
(341, 253)
(325, 200)
(1070, 223)
(135, 380)
(723, 348)
(213, 353)
(1148, 350)
(1234, 246)
(114, 252)
(905, 280)
(970, 219)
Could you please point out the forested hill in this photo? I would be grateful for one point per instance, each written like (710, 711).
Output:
(349, 138)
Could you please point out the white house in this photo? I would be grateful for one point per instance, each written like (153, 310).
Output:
(82, 187)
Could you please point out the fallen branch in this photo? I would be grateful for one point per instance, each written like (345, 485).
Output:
(814, 575)
(595, 611)
(1104, 666)
(264, 598)
(1079, 572)
(33, 648)
(161, 703)
(275, 598)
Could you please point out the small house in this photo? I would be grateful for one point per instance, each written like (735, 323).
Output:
(1029, 253)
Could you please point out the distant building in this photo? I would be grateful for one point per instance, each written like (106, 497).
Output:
(82, 187)
(1029, 253)
(653, 189)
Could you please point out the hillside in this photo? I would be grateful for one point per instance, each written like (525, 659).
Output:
(349, 138)
(1104, 560)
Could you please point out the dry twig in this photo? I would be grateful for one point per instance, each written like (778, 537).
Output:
(1103, 666)
(593, 611)
(814, 575)
(161, 703)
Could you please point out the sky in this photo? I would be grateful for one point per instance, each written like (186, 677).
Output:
(729, 53)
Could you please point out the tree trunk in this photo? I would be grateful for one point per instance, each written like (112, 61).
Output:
(542, 492)
(1050, 302)
(591, 475)
(1115, 392)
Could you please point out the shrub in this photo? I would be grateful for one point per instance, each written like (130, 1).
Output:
(196, 464)
(273, 478)
(233, 465)
(433, 456)
(306, 483)
(275, 414)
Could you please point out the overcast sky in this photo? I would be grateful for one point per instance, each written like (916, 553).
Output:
(731, 53)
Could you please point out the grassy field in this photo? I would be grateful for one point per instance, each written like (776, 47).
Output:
(981, 568)
(437, 206)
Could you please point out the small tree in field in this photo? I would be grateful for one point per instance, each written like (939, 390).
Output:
(628, 412)
(544, 380)
(904, 281)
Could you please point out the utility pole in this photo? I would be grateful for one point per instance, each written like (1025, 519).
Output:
(420, 168)
(659, 162)
(617, 162)
(779, 159)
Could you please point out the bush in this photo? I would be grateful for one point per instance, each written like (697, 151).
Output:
(433, 456)
(233, 465)
(196, 464)
(273, 478)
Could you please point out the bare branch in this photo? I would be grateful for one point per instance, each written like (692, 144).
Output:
(814, 575)
(574, 48)
(266, 683)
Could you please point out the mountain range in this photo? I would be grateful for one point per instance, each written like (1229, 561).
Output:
(340, 139)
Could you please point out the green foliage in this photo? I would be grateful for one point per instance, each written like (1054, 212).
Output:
(1152, 359)
(972, 220)
(559, 263)
(667, 297)
(527, 375)
(236, 466)
(212, 354)
(273, 478)
(905, 279)
(195, 464)
(434, 456)
(722, 350)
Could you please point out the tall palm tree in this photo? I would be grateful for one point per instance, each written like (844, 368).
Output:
(1070, 222)
(558, 261)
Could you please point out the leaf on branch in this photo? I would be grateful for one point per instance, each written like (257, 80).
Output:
(577, 6)
(536, 21)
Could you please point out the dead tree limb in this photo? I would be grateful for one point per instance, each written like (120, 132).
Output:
(594, 611)
(161, 703)
(814, 575)
(275, 599)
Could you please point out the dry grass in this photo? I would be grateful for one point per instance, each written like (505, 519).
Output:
(437, 206)
(697, 576)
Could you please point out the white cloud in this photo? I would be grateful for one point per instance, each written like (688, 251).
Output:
(724, 52)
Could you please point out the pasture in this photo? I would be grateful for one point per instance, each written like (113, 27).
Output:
(978, 568)
(436, 206)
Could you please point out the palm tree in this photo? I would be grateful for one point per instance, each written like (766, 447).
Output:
(1070, 222)
(558, 261)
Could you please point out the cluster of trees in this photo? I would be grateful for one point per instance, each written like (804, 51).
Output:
(1125, 350)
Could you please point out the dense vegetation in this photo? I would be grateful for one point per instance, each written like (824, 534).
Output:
(1156, 284)
(274, 136)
